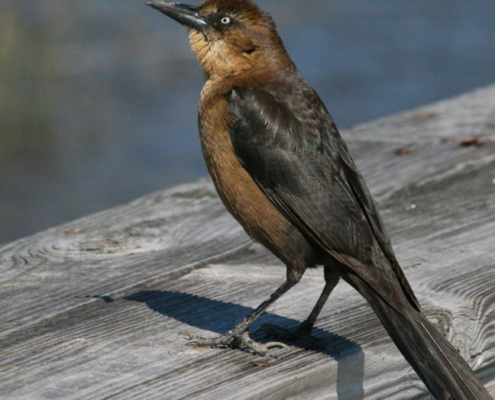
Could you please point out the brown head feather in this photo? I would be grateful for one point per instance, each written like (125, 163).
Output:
(247, 48)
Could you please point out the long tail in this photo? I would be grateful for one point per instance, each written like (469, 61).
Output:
(434, 359)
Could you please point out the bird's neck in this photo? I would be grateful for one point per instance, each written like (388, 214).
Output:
(224, 61)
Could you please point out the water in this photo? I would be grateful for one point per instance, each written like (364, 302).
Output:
(98, 99)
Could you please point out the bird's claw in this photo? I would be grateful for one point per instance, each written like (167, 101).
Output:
(259, 348)
(300, 335)
(191, 339)
(233, 340)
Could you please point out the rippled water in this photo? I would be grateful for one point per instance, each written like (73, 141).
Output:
(98, 99)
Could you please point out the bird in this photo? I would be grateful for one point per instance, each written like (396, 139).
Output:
(283, 171)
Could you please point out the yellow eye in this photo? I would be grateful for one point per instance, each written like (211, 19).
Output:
(226, 20)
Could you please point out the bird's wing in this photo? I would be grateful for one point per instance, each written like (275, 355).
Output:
(304, 168)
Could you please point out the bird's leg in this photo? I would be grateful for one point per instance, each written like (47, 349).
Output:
(303, 333)
(332, 277)
(239, 335)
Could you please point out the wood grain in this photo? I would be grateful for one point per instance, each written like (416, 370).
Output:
(93, 309)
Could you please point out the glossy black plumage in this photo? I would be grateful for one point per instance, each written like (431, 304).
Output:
(306, 171)
(292, 149)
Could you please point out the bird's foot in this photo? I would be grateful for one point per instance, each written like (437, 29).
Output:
(301, 335)
(234, 340)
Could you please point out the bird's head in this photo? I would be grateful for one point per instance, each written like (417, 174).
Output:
(231, 38)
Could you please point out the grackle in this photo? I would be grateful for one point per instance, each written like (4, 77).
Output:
(283, 171)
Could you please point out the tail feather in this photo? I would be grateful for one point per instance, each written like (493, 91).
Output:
(434, 359)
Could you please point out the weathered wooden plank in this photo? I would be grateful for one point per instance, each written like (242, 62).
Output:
(93, 308)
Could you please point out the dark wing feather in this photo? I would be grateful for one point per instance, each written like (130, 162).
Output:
(303, 166)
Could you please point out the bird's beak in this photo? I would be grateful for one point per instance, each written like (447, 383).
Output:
(186, 15)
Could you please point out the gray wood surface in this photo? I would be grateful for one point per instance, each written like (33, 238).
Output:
(92, 309)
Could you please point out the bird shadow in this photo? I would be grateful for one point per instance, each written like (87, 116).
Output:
(219, 317)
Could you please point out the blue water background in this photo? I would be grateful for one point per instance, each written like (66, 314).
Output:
(98, 98)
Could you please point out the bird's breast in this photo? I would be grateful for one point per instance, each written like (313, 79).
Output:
(238, 191)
